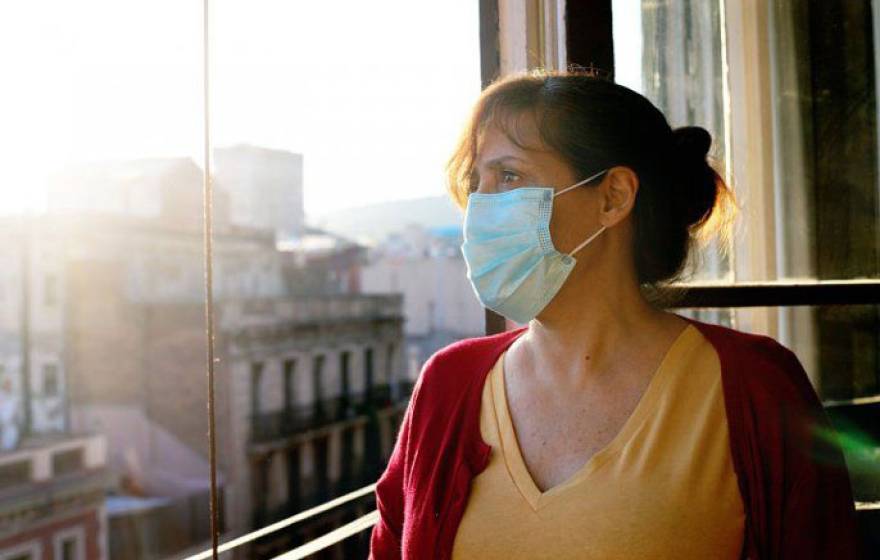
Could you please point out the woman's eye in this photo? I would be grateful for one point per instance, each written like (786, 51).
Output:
(508, 177)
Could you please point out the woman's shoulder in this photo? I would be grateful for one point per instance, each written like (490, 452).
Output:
(454, 364)
(446, 396)
(759, 368)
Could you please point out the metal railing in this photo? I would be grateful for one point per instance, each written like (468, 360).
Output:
(290, 521)
(696, 296)
(276, 424)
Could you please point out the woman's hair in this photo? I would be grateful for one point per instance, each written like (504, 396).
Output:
(594, 124)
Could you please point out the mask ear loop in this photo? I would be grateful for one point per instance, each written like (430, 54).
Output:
(579, 183)
(587, 242)
(574, 186)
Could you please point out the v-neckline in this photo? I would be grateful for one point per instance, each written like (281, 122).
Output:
(510, 444)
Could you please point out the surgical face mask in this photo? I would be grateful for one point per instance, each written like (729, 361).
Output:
(511, 262)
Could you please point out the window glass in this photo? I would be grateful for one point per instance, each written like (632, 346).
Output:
(837, 368)
(826, 188)
(331, 126)
(671, 51)
(69, 550)
(102, 340)
(824, 93)
(809, 201)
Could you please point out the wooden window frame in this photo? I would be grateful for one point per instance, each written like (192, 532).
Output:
(508, 32)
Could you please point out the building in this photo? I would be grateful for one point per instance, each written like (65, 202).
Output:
(305, 370)
(310, 407)
(52, 478)
(265, 188)
(52, 499)
(426, 266)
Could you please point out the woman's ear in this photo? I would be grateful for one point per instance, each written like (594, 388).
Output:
(619, 191)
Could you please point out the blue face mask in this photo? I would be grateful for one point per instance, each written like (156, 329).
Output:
(511, 261)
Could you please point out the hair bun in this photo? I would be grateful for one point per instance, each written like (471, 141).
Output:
(694, 180)
(692, 142)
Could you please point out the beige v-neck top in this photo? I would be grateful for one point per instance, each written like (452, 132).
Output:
(664, 487)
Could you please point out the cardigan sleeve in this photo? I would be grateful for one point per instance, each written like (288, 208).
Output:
(386, 537)
(819, 510)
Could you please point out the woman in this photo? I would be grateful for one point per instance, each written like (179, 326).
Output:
(606, 427)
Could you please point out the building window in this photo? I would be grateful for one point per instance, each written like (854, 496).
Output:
(317, 384)
(65, 462)
(50, 290)
(50, 380)
(289, 385)
(70, 544)
(389, 362)
(256, 382)
(368, 369)
(344, 360)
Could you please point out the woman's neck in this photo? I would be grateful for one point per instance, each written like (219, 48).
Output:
(589, 333)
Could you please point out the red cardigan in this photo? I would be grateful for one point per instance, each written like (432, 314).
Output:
(792, 476)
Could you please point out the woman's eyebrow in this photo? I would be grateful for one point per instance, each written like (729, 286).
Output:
(499, 160)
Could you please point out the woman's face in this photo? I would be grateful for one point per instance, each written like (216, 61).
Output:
(502, 166)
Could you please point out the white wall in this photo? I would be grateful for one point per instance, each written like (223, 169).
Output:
(437, 295)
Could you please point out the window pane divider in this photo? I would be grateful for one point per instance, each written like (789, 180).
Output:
(208, 209)
(778, 293)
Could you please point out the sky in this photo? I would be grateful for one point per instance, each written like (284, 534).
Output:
(374, 94)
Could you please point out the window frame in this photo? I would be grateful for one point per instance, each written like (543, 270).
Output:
(79, 536)
(751, 146)
(522, 34)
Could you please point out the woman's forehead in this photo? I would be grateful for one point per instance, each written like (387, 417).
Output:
(495, 141)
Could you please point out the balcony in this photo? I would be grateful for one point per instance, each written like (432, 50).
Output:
(241, 315)
(268, 426)
(321, 494)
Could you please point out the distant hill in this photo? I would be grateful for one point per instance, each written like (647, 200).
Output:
(374, 222)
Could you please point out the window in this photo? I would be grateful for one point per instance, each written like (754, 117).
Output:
(68, 550)
(390, 363)
(289, 386)
(256, 387)
(50, 380)
(368, 369)
(15, 473)
(344, 359)
(672, 52)
(824, 147)
(318, 379)
(317, 127)
(794, 155)
(70, 544)
(64, 462)
(50, 289)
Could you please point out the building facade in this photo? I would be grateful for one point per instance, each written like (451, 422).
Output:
(52, 499)
(109, 303)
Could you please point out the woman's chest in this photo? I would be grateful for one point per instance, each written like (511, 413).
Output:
(660, 484)
(676, 508)
(647, 499)
(556, 435)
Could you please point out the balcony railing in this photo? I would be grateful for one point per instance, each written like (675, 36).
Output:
(268, 426)
(239, 315)
(862, 412)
